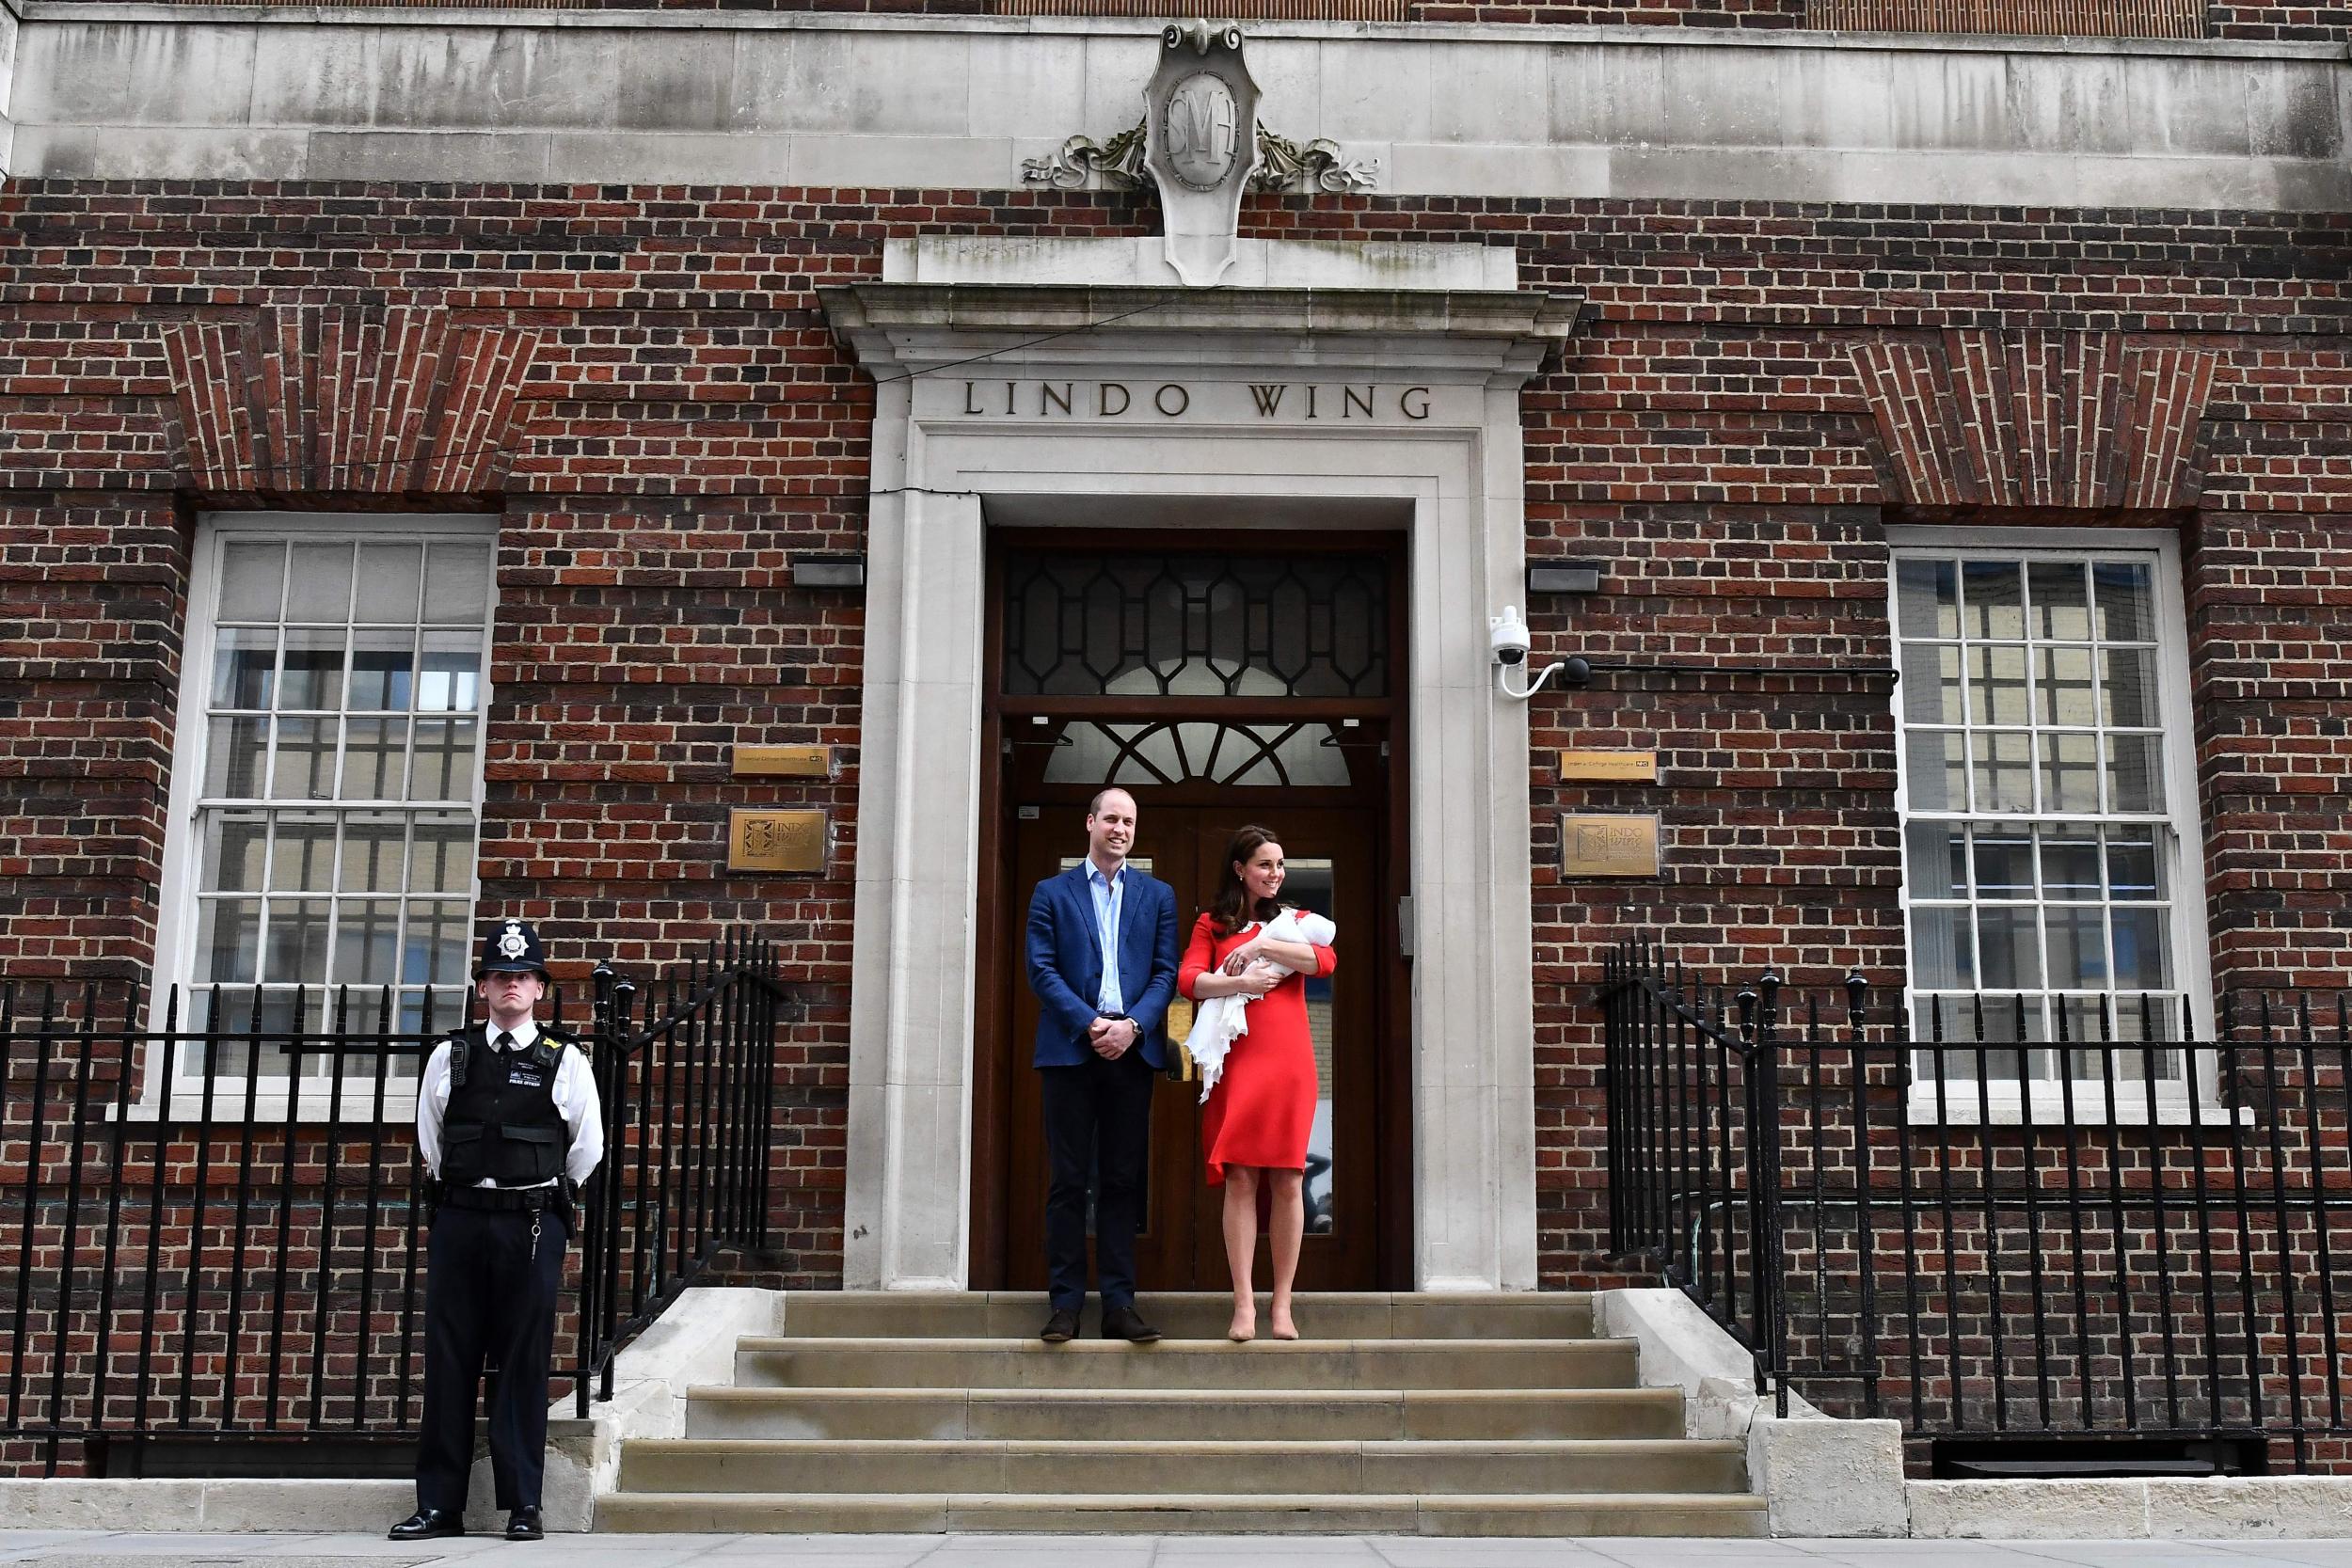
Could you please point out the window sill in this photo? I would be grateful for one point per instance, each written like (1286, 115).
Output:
(270, 1106)
(1961, 1108)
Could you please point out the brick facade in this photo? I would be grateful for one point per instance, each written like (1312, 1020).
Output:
(642, 381)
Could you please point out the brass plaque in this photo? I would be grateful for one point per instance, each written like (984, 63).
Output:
(1624, 767)
(790, 762)
(775, 840)
(1608, 846)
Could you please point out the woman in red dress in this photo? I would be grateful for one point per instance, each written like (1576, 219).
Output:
(1258, 1117)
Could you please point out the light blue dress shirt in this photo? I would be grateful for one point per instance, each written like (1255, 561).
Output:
(1110, 895)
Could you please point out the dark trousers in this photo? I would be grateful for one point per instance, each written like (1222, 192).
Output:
(487, 1295)
(1098, 1113)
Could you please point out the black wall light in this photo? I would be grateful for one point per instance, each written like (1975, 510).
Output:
(1563, 577)
(828, 571)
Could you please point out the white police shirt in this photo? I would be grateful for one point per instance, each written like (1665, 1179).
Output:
(575, 1101)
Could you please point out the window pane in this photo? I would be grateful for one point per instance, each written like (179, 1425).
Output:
(367, 941)
(305, 759)
(318, 583)
(387, 583)
(252, 578)
(444, 855)
(1938, 776)
(304, 857)
(2004, 770)
(372, 848)
(2008, 946)
(442, 765)
(456, 583)
(2135, 773)
(2143, 953)
(2062, 608)
(2133, 865)
(1942, 951)
(1994, 592)
(236, 758)
(435, 952)
(2062, 690)
(383, 671)
(243, 663)
(1926, 597)
(2078, 945)
(375, 761)
(1930, 684)
(228, 938)
(2126, 597)
(1936, 865)
(2069, 773)
(295, 953)
(311, 676)
(448, 679)
(2004, 864)
(2128, 691)
(1996, 686)
(2070, 862)
(234, 843)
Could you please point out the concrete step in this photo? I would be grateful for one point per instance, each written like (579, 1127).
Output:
(1183, 1414)
(1129, 1464)
(1176, 1513)
(1192, 1315)
(1259, 1367)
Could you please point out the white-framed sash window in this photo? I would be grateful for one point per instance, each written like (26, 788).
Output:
(327, 790)
(2053, 883)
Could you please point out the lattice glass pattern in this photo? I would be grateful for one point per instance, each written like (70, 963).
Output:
(341, 762)
(1196, 625)
(1234, 755)
(2038, 848)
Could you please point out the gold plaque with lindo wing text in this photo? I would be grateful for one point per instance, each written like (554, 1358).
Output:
(776, 840)
(1623, 845)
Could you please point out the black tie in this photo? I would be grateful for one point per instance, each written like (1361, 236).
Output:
(504, 1042)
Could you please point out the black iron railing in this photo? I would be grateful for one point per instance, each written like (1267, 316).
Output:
(2130, 1240)
(192, 1250)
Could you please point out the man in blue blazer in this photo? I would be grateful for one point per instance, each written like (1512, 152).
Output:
(1103, 963)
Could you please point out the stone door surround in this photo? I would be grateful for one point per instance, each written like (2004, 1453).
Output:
(1244, 407)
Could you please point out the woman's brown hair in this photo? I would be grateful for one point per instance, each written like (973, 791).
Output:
(1233, 908)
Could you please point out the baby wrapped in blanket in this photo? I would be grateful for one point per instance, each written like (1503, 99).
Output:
(1222, 1019)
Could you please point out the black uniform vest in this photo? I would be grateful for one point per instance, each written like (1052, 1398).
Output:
(502, 1120)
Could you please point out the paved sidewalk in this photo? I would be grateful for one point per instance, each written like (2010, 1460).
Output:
(112, 1549)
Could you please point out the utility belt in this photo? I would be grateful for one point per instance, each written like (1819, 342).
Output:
(508, 1200)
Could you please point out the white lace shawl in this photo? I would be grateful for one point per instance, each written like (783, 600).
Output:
(1222, 1019)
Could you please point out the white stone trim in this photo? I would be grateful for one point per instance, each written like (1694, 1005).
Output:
(941, 476)
(849, 102)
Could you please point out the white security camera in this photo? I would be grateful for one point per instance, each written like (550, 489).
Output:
(1508, 645)
(1508, 637)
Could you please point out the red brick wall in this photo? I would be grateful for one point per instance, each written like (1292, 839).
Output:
(686, 424)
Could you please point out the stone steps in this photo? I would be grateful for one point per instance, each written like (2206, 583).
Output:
(1623, 1514)
(1428, 1415)
(1259, 1367)
(1189, 1315)
(1085, 1465)
(1184, 1414)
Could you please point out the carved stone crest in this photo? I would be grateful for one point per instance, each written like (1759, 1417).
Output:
(1200, 144)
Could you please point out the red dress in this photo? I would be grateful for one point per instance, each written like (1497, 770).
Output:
(1263, 1108)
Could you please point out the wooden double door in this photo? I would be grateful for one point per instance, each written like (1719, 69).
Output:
(1333, 855)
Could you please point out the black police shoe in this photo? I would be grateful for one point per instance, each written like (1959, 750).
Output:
(523, 1524)
(427, 1524)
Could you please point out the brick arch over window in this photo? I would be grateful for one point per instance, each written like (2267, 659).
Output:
(2066, 420)
(316, 400)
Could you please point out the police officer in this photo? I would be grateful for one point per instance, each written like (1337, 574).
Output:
(508, 1126)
